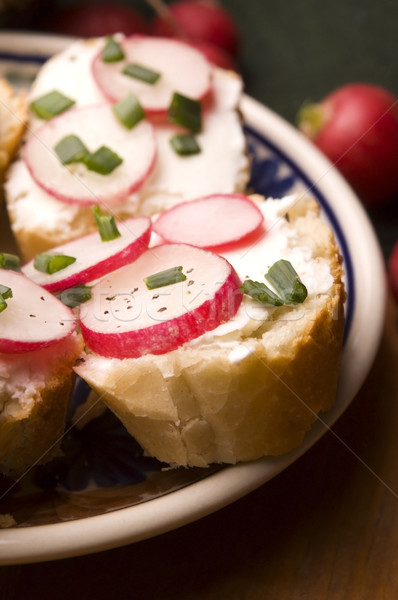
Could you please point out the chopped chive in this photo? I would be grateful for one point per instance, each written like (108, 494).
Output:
(142, 73)
(185, 144)
(10, 262)
(5, 292)
(286, 282)
(129, 111)
(163, 278)
(112, 51)
(52, 263)
(106, 225)
(71, 149)
(259, 291)
(102, 161)
(76, 295)
(51, 104)
(186, 112)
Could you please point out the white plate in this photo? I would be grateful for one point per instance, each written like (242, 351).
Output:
(283, 162)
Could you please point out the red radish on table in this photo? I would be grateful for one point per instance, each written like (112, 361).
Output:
(33, 318)
(216, 55)
(96, 126)
(199, 20)
(94, 258)
(170, 295)
(95, 19)
(356, 126)
(209, 222)
(180, 68)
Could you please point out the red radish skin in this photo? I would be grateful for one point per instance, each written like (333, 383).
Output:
(200, 20)
(96, 19)
(75, 184)
(162, 319)
(33, 318)
(210, 222)
(182, 69)
(393, 272)
(356, 127)
(95, 258)
(216, 55)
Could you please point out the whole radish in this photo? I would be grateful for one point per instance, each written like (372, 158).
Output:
(93, 19)
(356, 126)
(199, 20)
(216, 55)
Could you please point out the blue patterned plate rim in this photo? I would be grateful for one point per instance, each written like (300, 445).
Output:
(365, 317)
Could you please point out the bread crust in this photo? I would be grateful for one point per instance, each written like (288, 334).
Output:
(194, 406)
(13, 118)
(33, 405)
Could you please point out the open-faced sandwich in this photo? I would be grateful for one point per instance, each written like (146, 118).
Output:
(181, 139)
(212, 320)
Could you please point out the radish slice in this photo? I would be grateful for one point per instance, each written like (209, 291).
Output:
(95, 258)
(182, 69)
(95, 125)
(124, 319)
(211, 221)
(33, 318)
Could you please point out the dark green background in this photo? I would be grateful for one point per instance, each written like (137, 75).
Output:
(297, 50)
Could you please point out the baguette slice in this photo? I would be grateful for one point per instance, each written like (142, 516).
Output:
(35, 388)
(13, 118)
(240, 394)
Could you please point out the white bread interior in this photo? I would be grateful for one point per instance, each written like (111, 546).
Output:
(195, 406)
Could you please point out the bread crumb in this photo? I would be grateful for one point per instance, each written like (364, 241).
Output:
(7, 521)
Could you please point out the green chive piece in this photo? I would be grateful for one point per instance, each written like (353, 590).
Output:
(186, 112)
(10, 262)
(106, 225)
(142, 73)
(76, 295)
(163, 278)
(259, 291)
(71, 149)
(286, 282)
(102, 161)
(5, 292)
(51, 104)
(112, 51)
(52, 263)
(185, 144)
(129, 111)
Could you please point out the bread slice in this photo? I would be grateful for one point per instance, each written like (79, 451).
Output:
(35, 389)
(240, 393)
(13, 118)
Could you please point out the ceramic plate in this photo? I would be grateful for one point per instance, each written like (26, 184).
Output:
(104, 493)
